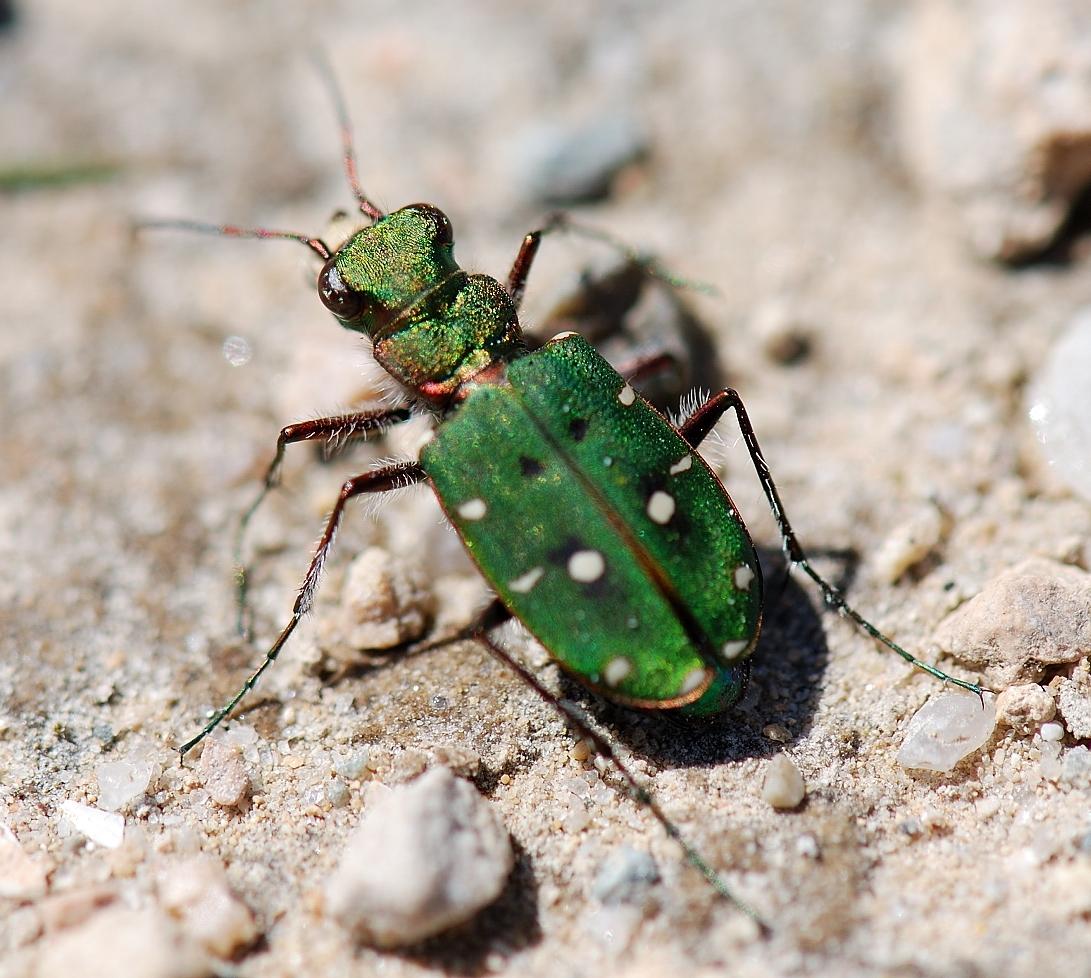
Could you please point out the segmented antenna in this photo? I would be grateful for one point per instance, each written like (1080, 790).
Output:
(317, 245)
(348, 150)
(348, 153)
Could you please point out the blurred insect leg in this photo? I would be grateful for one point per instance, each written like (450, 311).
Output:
(644, 368)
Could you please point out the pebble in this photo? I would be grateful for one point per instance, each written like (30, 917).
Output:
(72, 907)
(353, 766)
(1076, 767)
(911, 542)
(1035, 616)
(782, 333)
(223, 772)
(574, 165)
(1025, 707)
(117, 941)
(384, 602)
(625, 877)
(425, 857)
(197, 894)
(1074, 703)
(783, 786)
(106, 829)
(776, 732)
(21, 877)
(1059, 406)
(124, 781)
(581, 750)
(946, 729)
(1052, 733)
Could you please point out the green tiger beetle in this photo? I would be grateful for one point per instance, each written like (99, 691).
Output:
(595, 520)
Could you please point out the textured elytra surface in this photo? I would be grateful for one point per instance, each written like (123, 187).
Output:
(599, 526)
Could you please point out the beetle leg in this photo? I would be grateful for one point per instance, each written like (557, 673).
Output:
(640, 369)
(520, 268)
(337, 432)
(697, 427)
(640, 794)
(378, 480)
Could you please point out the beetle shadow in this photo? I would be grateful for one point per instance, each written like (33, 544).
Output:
(466, 950)
(785, 681)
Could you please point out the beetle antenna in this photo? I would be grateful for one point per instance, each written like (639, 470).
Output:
(344, 124)
(317, 245)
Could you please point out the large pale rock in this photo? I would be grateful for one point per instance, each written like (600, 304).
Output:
(1032, 617)
(426, 856)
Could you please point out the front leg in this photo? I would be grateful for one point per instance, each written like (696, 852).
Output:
(337, 431)
(696, 429)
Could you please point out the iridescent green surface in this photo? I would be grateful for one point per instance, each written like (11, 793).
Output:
(432, 324)
(602, 530)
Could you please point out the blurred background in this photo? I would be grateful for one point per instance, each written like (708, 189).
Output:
(890, 205)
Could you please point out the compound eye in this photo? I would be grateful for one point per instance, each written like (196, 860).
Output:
(343, 302)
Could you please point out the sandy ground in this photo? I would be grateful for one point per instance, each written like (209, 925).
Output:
(782, 165)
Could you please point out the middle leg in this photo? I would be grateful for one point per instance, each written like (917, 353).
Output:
(378, 480)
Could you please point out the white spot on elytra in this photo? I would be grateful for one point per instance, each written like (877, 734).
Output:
(693, 680)
(525, 582)
(743, 576)
(682, 465)
(661, 507)
(627, 395)
(732, 650)
(473, 509)
(616, 670)
(562, 336)
(586, 566)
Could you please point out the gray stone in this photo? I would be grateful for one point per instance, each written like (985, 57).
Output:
(625, 877)
(1059, 406)
(571, 165)
(425, 857)
(1076, 767)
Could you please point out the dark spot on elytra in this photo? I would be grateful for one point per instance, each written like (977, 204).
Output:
(530, 466)
(559, 555)
(577, 428)
(651, 482)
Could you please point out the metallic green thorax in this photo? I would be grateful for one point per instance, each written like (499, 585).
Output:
(602, 530)
(433, 325)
